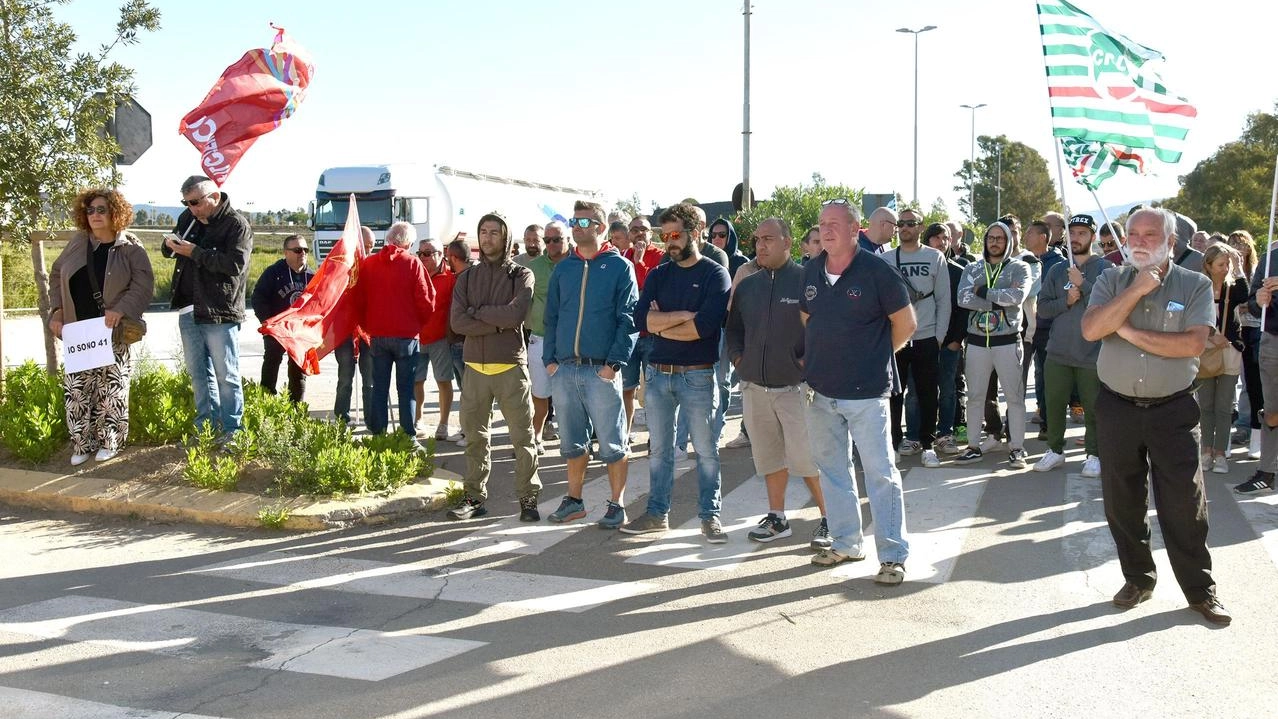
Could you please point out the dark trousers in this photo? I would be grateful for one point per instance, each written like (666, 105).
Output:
(272, 354)
(1040, 374)
(919, 360)
(993, 420)
(1140, 443)
(1251, 373)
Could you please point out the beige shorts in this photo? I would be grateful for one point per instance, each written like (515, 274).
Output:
(778, 433)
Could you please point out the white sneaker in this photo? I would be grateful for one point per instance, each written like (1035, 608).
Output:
(461, 439)
(79, 459)
(104, 454)
(946, 445)
(992, 444)
(930, 459)
(1051, 460)
(738, 442)
(909, 448)
(1220, 465)
(1091, 466)
(1253, 448)
(442, 432)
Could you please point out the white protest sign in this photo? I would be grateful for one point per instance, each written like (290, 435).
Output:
(86, 345)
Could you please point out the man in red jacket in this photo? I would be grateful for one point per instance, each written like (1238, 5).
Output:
(436, 354)
(394, 301)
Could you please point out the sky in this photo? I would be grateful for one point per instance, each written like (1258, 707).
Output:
(646, 97)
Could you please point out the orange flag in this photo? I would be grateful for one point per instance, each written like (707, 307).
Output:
(323, 317)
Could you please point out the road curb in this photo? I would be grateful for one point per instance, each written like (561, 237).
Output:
(131, 498)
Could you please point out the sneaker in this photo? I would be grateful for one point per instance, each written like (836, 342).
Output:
(1259, 482)
(930, 459)
(1051, 460)
(442, 432)
(1220, 465)
(79, 459)
(960, 435)
(891, 573)
(569, 509)
(993, 444)
(713, 531)
(645, 525)
(740, 441)
(1091, 466)
(831, 557)
(105, 454)
(528, 510)
(1042, 435)
(449, 434)
(947, 445)
(469, 507)
(970, 455)
(1204, 461)
(680, 455)
(461, 439)
(541, 448)
(770, 527)
(614, 516)
(821, 536)
(548, 432)
(909, 448)
(1016, 458)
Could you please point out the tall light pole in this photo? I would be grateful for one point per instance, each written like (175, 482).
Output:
(998, 187)
(971, 171)
(916, 34)
(745, 129)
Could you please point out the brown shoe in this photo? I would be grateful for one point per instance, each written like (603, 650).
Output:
(1131, 595)
(1213, 610)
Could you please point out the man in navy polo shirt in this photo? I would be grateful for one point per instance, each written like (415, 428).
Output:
(682, 306)
(852, 298)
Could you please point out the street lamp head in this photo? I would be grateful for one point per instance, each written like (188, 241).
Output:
(972, 107)
(929, 27)
(916, 32)
(904, 29)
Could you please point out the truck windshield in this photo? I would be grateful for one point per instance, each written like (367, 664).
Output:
(374, 214)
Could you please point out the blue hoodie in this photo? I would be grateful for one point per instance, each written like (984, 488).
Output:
(731, 248)
(590, 308)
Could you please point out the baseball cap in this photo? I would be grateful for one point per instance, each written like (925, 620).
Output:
(1083, 221)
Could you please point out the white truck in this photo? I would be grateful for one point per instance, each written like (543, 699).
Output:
(440, 202)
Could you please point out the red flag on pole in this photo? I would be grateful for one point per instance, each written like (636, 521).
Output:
(323, 316)
(251, 98)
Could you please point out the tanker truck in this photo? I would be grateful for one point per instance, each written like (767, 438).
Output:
(440, 202)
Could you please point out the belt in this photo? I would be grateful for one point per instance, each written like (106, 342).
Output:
(587, 361)
(773, 387)
(679, 368)
(1147, 402)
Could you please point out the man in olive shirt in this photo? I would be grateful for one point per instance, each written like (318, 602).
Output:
(557, 247)
(1153, 319)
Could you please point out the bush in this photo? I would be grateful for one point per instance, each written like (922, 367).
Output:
(161, 404)
(206, 466)
(32, 413)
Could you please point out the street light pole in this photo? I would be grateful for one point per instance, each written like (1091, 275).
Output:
(745, 130)
(971, 167)
(916, 34)
(998, 188)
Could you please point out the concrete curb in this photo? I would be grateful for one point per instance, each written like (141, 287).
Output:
(88, 495)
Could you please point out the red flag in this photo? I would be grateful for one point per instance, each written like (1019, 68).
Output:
(252, 97)
(323, 316)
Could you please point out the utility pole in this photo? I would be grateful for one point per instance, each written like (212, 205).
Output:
(998, 188)
(745, 131)
(971, 166)
(916, 34)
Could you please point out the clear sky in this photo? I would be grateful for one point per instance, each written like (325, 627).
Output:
(646, 97)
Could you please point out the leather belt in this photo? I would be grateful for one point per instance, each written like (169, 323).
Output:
(1147, 402)
(774, 387)
(679, 368)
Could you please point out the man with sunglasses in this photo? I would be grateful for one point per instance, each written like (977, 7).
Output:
(276, 290)
(590, 335)
(1111, 242)
(436, 355)
(683, 305)
(211, 244)
(557, 248)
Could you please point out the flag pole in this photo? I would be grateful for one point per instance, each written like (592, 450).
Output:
(1269, 245)
(1060, 174)
(1113, 228)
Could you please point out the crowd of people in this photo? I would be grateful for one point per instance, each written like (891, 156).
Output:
(1130, 330)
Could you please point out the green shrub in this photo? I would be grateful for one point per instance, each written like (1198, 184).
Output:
(273, 517)
(207, 467)
(161, 404)
(32, 413)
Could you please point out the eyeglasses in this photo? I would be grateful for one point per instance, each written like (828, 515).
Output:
(1109, 245)
(583, 222)
(723, 235)
(196, 201)
(100, 210)
(297, 250)
(908, 223)
(554, 240)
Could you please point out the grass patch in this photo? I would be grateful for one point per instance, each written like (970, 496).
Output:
(273, 517)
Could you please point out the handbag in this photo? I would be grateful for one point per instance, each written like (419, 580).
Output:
(127, 330)
(1222, 360)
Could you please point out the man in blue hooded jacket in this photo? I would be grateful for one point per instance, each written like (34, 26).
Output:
(590, 335)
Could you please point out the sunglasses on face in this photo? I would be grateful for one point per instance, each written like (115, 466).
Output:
(91, 210)
(677, 234)
(554, 240)
(583, 222)
(1109, 245)
(720, 233)
(196, 201)
(908, 223)
(298, 250)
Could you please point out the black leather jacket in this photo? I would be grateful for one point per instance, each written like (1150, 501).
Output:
(219, 265)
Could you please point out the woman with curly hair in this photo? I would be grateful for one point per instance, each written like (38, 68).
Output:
(98, 399)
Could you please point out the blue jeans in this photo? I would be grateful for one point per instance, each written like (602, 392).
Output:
(459, 364)
(830, 423)
(585, 400)
(401, 354)
(345, 355)
(947, 379)
(213, 359)
(638, 358)
(696, 394)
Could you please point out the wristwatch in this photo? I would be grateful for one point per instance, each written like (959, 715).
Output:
(616, 366)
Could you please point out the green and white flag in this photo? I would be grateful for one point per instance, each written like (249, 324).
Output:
(1094, 162)
(1105, 88)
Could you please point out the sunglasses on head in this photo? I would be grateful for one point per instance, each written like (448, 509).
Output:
(837, 201)
(583, 222)
(91, 210)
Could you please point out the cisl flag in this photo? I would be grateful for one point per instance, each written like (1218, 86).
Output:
(323, 316)
(251, 98)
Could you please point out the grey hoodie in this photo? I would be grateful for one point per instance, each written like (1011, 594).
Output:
(1066, 345)
(925, 272)
(996, 311)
